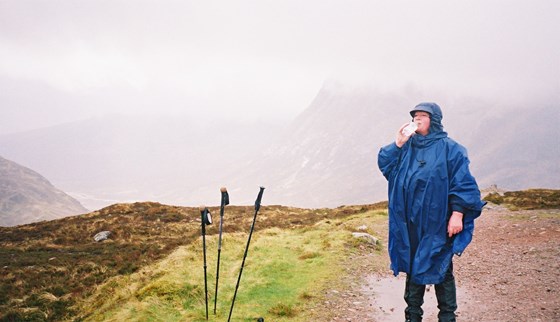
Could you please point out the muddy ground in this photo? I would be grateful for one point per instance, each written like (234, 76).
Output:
(510, 272)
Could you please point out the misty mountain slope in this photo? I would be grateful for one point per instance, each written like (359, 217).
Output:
(328, 156)
(114, 158)
(26, 197)
(517, 149)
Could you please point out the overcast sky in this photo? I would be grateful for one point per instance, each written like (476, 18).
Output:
(63, 60)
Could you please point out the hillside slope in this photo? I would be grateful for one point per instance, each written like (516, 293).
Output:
(26, 197)
(151, 266)
(58, 264)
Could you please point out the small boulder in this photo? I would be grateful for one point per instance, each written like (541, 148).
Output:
(101, 236)
(372, 240)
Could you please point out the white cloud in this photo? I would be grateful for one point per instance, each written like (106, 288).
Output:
(268, 58)
(76, 67)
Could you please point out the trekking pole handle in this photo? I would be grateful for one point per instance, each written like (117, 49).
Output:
(205, 217)
(225, 198)
(258, 201)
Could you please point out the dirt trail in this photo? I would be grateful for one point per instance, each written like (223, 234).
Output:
(510, 272)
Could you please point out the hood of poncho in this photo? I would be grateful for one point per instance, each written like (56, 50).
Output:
(436, 127)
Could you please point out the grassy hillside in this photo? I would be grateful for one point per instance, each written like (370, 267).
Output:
(527, 199)
(151, 266)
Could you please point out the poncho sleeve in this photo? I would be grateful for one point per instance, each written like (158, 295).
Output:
(388, 159)
(464, 194)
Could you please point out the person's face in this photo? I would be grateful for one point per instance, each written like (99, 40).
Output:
(422, 119)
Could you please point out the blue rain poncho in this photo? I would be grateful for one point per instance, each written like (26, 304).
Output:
(428, 178)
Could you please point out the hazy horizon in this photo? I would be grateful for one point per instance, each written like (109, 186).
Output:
(62, 61)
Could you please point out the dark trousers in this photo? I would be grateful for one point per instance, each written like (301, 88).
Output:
(446, 295)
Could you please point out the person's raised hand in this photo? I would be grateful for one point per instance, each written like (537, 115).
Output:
(401, 138)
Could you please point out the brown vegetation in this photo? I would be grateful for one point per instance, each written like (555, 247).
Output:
(527, 199)
(48, 267)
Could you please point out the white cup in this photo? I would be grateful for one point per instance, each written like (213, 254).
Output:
(410, 129)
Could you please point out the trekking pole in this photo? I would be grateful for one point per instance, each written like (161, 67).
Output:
(257, 207)
(206, 219)
(223, 204)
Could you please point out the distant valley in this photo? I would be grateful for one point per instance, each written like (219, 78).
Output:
(326, 157)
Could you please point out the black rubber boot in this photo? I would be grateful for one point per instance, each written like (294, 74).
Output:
(446, 294)
(414, 297)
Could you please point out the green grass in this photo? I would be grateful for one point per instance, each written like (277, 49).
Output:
(284, 270)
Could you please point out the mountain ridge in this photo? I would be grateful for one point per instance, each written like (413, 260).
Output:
(26, 197)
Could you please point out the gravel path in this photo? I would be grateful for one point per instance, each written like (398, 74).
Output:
(510, 272)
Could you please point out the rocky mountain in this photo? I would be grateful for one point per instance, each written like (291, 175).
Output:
(326, 157)
(26, 197)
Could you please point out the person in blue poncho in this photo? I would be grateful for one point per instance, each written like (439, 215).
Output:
(433, 202)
